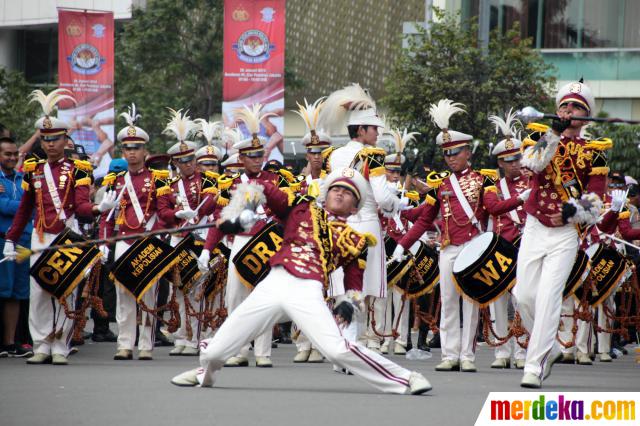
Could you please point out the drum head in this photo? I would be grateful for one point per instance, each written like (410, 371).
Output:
(473, 251)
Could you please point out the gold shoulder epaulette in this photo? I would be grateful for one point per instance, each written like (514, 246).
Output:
(492, 173)
(601, 144)
(538, 127)
(287, 175)
(83, 165)
(225, 182)
(413, 195)
(160, 174)
(212, 175)
(435, 179)
(327, 152)
(30, 165)
(109, 179)
(372, 150)
(527, 142)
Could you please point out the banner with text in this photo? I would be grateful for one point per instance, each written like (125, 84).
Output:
(86, 67)
(254, 42)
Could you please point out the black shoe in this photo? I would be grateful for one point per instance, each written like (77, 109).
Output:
(435, 342)
(77, 342)
(274, 344)
(161, 340)
(4, 351)
(106, 336)
(16, 351)
(612, 354)
(424, 347)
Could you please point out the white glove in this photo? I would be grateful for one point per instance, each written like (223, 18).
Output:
(9, 250)
(618, 198)
(524, 195)
(398, 254)
(104, 249)
(203, 260)
(404, 204)
(108, 201)
(186, 214)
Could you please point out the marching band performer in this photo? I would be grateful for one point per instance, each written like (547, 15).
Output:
(508, 225)
(459, 198)
(251, 155)
(361, 153)
(58, 190)
(567, 171)
(208, 157)
(315, 141)
(316, 241)
(395, 227)
(191, 198)
(138, 191)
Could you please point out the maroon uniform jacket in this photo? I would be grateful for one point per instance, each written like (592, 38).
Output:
(198, 187)
(214, 236)
(577, 167)
(149, 185)
(457, 227)
(72, 179)
(316, 242)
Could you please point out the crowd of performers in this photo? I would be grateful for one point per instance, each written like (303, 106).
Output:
(534, 257)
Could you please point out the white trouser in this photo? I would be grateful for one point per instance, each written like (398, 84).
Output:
(500, 319)
(455, 345)
(604, 339)
(181, 336)
(565, 328)
(394, 310)
(379, 307)
(236, 294)
(584, 336)
(126, 313)
(545, 260)
(302, 342)
(301, 300)
(45, 312)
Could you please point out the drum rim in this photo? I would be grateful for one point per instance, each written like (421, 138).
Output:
(492, 245)
(582, 274)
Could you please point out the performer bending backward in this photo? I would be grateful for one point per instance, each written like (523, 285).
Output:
(316, 241)
(460, 199)
(360, 152)
(138, 190)
(567, 173)
(57, 189)
(508, 225)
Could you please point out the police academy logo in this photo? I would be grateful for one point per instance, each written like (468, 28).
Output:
(253, 47)
(86, 60)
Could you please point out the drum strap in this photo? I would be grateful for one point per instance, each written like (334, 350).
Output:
(53, 192)
(184, 201)
(463, 201)
(504, 188)
(134, 197)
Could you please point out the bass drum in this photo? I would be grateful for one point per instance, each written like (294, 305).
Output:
(486, 268)
(608, 271)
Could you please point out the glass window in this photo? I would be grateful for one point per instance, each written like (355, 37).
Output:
(631, 29)
(38, 54)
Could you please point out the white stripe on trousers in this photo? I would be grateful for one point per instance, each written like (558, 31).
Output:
(301, 300)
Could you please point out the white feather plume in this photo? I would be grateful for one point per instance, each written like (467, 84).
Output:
(244, 196)
(334, 112)
(442, 112)
(251, 117)
(400, 139)
(232, 135)
(210, 130)
(48, 102)
(310, 114)
(507, 125)
(131, 116)
(180, 125)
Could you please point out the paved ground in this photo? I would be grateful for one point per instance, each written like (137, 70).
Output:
(96, 390)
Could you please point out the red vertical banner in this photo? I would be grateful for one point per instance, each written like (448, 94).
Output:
(86, 67)
(253, 69)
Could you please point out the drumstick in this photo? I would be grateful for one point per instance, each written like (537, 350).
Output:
(619, 240)
(24, 253)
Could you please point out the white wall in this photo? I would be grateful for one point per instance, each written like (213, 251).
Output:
(20, 13)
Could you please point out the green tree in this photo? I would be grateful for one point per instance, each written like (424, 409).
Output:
(16, 113)
(625, 154)
(170, 55)
(447, 62)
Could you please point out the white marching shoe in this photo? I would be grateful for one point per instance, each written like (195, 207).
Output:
(188, 378)
(418, 384)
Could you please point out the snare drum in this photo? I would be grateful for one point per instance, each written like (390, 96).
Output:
(485, 269)
(608, 270)
(579, 273)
